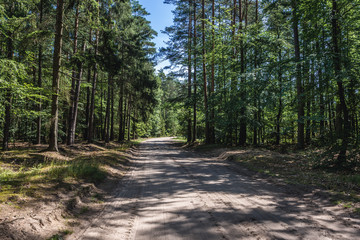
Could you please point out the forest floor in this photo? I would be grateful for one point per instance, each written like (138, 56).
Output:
(44, 195)
(302, 169)
(164, 190)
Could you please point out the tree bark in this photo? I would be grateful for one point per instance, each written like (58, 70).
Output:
(121, 103)
(107, 111)
(242, 133)
(207, 140)
(71, 118)
(93, 91)
(194, 137)
(212, 89)
(112, 114)
(255, 130)
(299, 86)
(129, 119)
(279, 114)
(189, 73)
(53, 141)
(39, 83)
(341, 160)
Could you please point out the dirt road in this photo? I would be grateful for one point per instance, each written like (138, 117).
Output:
(173, 194)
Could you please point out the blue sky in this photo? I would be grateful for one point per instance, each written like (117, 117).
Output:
(160, 17)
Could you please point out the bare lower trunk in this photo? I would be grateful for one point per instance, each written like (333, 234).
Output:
(53, 142)
(207, 135)
(93, 91)
(107, 112)
(242, 132)
(70, 139)
(194, 133)
(189, 74)
(39, 83)
(112, 115)
(299, 87)
(212, 89)
(341, 160)
(121, 122)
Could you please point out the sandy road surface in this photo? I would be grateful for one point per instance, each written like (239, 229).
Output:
(175, 194)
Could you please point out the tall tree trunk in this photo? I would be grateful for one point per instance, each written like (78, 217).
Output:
(232, 125)
(88, 93)
(107, 111)
(129, 119)
(102, 125)
(71, 118)
(255, 130)
(121, 104)
(53, 142)
(8, 91)
(194, 137)
(212, 89)
(189, 72)
(336, 34)
(279, 114)
(207, 140)
(321, 91)
(242, 133)
(126, 104)
(93, 91)
(299, 86)
(77, 97)
(112, 114)
(39, 83)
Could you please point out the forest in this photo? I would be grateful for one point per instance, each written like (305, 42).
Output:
(243, 72)
(251, 130)
(75, 70)
(270, 72)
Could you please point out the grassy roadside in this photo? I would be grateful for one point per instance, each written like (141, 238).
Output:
(297, 168)
(28, 173)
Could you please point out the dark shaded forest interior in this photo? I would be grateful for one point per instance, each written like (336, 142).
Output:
(267, 74)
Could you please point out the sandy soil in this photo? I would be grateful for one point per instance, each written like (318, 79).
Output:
(171, 193)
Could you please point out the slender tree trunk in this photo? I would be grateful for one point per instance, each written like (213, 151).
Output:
(336, 33)
(102, 127)
(8, 97)
(39, 83)
(112, 115)
(93, 90)
(207, 140)
(107, 111)
(77, 97)
(242, 133)
(194, 137)
(212, 89)
(126, 104)
(321, 91)
(189, 73)
(232, 125)
(121, 103)
(255, 133)
(53, 142)
(299, 86)
(129, 119)
(71, 118)
(279, 114)
(88, 93)
(307, 93)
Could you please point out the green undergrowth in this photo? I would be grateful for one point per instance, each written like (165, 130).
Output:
(33, 173)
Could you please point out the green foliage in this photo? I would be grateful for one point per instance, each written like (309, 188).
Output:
(255, 66)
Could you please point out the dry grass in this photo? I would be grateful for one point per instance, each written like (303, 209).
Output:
(30, 172)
